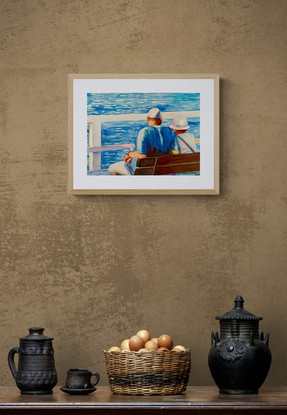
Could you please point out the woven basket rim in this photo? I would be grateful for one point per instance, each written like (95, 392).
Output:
(149, 351)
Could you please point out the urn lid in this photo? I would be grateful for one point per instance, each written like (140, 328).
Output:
(36, 334)
(238, 313)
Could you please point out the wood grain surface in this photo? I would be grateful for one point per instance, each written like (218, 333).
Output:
(199, 399)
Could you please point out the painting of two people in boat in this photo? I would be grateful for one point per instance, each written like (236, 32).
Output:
(143, 134)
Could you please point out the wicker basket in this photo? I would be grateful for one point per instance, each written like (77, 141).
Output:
(148, 373)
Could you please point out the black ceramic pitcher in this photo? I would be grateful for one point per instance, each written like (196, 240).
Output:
(36, 374)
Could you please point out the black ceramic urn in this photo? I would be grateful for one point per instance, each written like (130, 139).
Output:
(36, 374)
(239, 361)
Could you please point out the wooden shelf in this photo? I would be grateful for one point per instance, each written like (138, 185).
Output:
(196, 400)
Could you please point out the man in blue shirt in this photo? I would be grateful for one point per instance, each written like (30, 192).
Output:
(154, 140)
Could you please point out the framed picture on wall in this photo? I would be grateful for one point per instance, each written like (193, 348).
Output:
(143, 134)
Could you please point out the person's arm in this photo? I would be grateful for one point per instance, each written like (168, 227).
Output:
(133, 154)
(175, 148)
(140, 147)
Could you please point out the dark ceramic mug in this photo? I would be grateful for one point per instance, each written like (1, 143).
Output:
(81, 379)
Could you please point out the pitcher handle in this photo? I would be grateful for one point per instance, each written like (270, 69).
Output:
(11, 361)
(97, 378)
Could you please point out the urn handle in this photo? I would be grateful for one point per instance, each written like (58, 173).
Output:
(11, 361)
(97, 376)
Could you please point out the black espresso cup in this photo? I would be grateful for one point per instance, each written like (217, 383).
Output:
(81, 379)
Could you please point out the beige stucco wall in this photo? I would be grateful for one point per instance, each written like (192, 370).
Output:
(94, 270)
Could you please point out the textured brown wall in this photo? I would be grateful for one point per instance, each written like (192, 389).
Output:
(94, 270)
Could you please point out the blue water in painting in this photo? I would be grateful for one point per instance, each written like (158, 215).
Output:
(135, 103)
(124, 132)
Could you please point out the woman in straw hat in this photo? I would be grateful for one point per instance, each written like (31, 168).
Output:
(186, 140)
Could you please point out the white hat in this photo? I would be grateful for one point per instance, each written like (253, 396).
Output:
(179, 124)
(154, 113)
